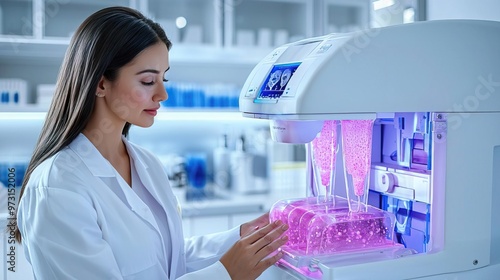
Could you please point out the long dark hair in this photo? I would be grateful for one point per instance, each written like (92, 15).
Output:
(107, 40)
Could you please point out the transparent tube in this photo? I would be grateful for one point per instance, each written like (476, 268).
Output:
(356, 152)
(322, 151)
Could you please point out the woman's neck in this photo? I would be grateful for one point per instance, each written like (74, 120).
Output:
(107, 138)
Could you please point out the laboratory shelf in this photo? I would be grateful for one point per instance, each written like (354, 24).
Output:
(19, 49)
(12, 110)
(33, 112)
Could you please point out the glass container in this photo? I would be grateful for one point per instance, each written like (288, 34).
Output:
(322, 152)
(326, 227)
(356, 152)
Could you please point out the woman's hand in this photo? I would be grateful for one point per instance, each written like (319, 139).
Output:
(253, 253)
(260, 222)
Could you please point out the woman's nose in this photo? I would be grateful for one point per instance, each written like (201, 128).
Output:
(162, 94)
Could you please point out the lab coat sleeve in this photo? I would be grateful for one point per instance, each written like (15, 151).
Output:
(62, 237)
(214, 271)
(206, 250)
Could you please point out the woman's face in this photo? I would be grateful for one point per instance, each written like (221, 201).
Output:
(135, 95)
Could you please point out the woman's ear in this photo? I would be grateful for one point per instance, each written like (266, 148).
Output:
(102, 86)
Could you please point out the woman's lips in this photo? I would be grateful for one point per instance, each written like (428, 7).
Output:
(152, 112)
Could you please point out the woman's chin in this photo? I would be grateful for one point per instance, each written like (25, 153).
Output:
(143, 124)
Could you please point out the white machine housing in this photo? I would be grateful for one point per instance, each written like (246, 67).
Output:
(449, 69)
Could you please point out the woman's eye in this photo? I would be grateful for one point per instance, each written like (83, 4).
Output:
(148, 83)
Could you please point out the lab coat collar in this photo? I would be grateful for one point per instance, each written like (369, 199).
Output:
(140, 164)
(141, 169)
(91, 157)
(100, 167)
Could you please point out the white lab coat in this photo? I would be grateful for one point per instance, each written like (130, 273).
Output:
(80, 220)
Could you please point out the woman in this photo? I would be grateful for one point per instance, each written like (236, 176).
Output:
(95, 206)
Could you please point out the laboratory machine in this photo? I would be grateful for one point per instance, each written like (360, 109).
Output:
(402, 132)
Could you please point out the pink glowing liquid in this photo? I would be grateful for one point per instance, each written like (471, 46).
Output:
(345, 234)
(357, 142)
(320, 228)
(324, 151)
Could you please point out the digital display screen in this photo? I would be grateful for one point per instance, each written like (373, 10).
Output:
(277, 80)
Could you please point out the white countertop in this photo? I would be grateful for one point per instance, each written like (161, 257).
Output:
(230, 203)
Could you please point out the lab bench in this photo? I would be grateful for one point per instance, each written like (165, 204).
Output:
(225, 211)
